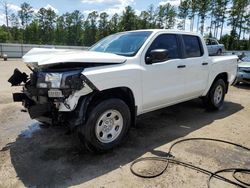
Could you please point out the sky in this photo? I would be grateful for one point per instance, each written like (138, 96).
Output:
(87, 6)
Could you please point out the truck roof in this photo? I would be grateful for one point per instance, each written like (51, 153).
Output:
(167, 31)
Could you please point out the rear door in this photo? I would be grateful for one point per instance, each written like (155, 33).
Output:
(196, 66)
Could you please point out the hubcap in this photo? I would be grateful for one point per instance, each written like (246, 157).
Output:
(218, 94)
(109, 126)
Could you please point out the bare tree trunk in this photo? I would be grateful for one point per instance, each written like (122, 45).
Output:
(6, 12)
(244, 32)
(249, 40)
(192, 23)
(221, 30)
(211, 25)
(198, 20)
(184, 24)
(215, 28)
(240, 28)
(202, 23)
(190, 28)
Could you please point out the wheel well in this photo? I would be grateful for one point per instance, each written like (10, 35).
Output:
(123, 93)
(224, 77)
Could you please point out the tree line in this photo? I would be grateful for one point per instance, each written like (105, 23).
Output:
(73, 28)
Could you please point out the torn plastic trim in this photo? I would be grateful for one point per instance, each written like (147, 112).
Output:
(19, 97)
(78, 117)
(39, 110)
(35, 109)
(18, 77)
(70, 103)
(89, 83)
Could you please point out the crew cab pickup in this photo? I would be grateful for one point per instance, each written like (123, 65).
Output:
(100, 92)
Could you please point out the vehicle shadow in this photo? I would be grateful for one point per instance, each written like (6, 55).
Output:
(243, 86)
(51, 158)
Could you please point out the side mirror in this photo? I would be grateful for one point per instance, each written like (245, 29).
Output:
(157, 55)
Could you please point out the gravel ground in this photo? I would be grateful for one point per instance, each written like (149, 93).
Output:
(32, 155)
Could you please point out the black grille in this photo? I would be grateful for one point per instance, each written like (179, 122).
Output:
(247, 71)
(247, 79)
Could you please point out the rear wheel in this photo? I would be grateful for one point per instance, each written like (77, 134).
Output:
(106, 126)
(215, 97)
(219, 52)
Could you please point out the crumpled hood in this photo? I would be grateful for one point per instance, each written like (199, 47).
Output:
(44, 57)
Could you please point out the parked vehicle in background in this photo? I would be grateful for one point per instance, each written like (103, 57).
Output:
(100, 92)
(243, 74)
(213, 47)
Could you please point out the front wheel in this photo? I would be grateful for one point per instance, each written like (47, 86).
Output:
(215, 97)
(107, 125)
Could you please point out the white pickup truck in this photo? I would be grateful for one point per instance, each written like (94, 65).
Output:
(100, 92)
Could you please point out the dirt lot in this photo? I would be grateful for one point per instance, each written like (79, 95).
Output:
(35, 156)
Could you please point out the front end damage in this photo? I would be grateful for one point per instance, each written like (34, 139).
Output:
(57, 91)
(54, 96)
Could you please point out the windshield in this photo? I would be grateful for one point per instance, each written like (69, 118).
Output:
(126, 44)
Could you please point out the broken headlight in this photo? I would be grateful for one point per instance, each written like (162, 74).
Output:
(54, 79)
(60, 80)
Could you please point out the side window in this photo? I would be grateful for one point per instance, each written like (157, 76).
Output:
(208, 42)
(192, 46)
(168, 42)
(214, 42)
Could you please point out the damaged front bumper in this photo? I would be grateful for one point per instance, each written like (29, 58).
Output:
(53, 97)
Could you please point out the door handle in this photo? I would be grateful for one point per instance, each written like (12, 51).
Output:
(204, 63)
(181, 66)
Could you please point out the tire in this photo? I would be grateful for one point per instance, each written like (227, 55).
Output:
(215, 97)
(107, 125)
(219, 52)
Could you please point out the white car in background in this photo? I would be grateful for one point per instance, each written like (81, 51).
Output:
(243, 75)
(214, 47)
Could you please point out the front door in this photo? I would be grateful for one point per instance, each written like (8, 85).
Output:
(163, 82)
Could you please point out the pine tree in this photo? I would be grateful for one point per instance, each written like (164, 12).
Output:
(114, 24)
(203, 7)
(103, 26)
(25, 14)
(128, 19)
(90, 29)
(143, 21)
(183, 13)
(193, 10)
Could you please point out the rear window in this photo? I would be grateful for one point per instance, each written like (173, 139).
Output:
(193, 46)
